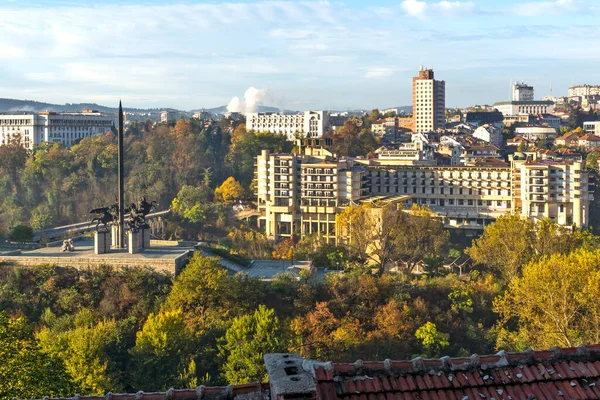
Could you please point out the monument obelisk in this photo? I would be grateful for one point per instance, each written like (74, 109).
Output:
(121, 176)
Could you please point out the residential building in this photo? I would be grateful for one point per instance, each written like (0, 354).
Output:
(429, 102)
(510, 120)
(535, 133)
(589, 141)
(584, 90)
(67, 128)
(301, 194)
(592, 127)
(517, 141)
(202, 115)
(168, 116)
(548, 119)
(524, 107)
(489, 134)
(552, 189)
(478, 118)
(568, 139)
(417, 152)
(522, 92)
(311, 124)
(472, 153)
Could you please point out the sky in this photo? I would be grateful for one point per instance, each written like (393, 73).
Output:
(299, 55)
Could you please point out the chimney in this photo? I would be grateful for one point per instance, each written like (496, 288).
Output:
(288, 378)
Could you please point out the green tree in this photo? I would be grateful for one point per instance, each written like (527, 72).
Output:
(591, 161)
(21, 234)
(163, 351)
(431, 339)
(25, 371)
(85, 352)
(246, 341)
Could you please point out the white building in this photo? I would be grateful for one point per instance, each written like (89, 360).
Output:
(592, 127)
(429, 102)
(524, 107)
(584, 90)
(535, 133)
(312, 124)
(522, 92)
(489, 134)
(66, 128)
(169, 115)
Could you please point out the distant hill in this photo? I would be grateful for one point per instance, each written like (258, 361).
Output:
(37, 106)
(223, 109)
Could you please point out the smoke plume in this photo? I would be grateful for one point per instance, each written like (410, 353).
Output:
(252, 99)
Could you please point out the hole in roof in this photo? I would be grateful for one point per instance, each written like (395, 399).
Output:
(286, 356)
(295, 378)
(289, 362)
(291, 370)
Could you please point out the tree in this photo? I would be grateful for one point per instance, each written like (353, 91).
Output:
(230, 191)
(591, 161)
(431, 339)
(163, 350)
(512, 242)
(554, 303)
(505, 246)
(21, 234)
(246, 341)
(25, 371)
(85, 350)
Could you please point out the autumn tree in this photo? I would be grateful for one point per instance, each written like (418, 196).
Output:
(432, 340)
(230, 191)
(554, 303)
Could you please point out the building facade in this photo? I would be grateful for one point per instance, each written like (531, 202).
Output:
(32, 129)
(524, 107)
(429, 102)
(522, 92)
(584, 90)
(302, 194)
(312, 124)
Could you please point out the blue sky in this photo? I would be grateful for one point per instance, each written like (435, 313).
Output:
(300, 54)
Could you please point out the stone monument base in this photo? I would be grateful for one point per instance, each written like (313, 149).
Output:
(114, 230)
(144, 234)
(101, 242)
(133, 239)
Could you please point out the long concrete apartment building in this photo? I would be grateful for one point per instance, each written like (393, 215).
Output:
(301, 194)
(67, 128)
(312, 124)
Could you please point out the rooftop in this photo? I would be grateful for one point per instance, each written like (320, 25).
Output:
(551, 374)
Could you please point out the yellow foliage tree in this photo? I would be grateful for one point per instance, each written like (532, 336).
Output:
(230, 191)
(554, 303)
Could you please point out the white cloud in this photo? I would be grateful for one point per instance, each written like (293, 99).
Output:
(556, 7)
(378, 72)
(417, 8)
(414, 8)
(454, 7)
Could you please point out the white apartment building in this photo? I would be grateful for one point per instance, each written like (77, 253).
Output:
(522, 92)
(312, 124)
(524, 107)
(429, 102)
(301, 194)
(592, 127)
(584, 90)
(489, 134)
(535, 133)
(67, 128)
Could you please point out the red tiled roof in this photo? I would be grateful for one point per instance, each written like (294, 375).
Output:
(590, 138)
(250, 391)
(555, 374)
